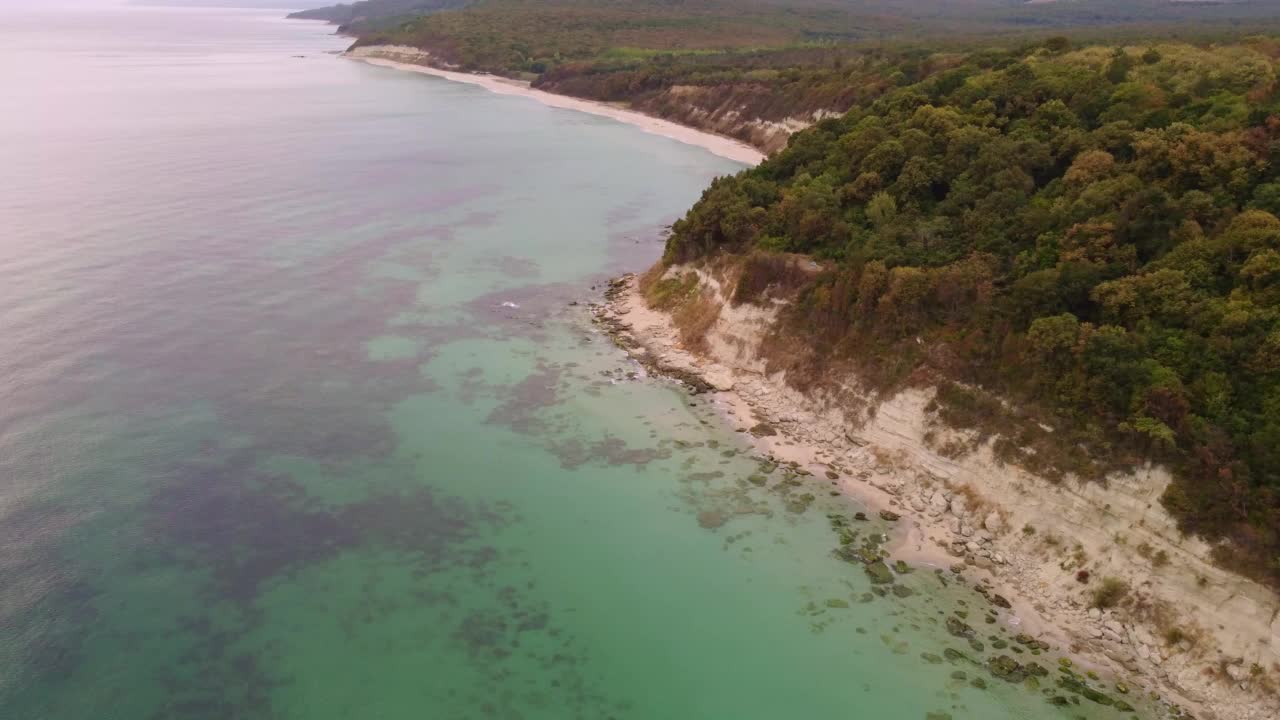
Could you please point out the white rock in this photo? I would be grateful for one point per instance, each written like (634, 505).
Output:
(993, 522)
(939, 502)
(1141, 635)
(720, 378)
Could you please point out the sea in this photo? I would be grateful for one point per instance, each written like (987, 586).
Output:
(303, 415)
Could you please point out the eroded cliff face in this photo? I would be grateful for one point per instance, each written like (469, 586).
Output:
(746, 111)
(1185, 627)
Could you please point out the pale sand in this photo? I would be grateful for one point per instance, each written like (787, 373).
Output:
(414, 60)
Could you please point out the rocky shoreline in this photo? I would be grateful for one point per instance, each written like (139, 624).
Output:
(945, 526)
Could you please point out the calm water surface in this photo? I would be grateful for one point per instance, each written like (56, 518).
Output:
(296, 420)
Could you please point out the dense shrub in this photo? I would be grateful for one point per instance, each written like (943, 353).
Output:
(1087, 232)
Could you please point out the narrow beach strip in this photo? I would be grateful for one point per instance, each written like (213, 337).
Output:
(414, 60)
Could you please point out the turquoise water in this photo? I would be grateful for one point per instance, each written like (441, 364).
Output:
(297, 419)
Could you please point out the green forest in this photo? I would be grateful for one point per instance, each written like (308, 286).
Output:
(1089, 232)
(524, 35)
(709, 62)
(528, 38)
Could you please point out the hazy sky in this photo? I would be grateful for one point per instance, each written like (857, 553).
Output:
(224, 3)
(33, 4)
(47, 3)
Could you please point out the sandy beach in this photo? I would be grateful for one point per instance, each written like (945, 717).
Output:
(414, 60)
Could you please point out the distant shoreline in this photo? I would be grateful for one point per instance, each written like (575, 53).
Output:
(414, 60)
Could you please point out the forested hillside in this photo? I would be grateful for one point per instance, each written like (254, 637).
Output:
(757, 69)
(1089, 233)
(367, 15)
(534, 36)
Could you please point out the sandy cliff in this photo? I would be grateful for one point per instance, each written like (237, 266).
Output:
(1197, 635)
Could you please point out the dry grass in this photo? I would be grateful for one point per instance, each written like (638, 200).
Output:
(1172, 627)
(762, 277)
(667, 293)
(976, 504)
(1110, 593)
(694, 318)
(648, 278)
(693, 307)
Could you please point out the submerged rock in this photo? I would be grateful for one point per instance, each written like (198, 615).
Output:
(711, 519)
(889, 516)
(1007, 669)
(879, 573)
(1073, 684)
(958, 627)
(860, 554)
(800, 504)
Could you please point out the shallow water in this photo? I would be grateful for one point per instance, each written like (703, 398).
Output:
(297, 419)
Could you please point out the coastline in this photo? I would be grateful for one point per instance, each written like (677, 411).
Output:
(874, 472)
(414, 60)
(651, 337)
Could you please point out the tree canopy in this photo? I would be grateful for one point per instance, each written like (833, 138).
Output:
(1089, 232)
